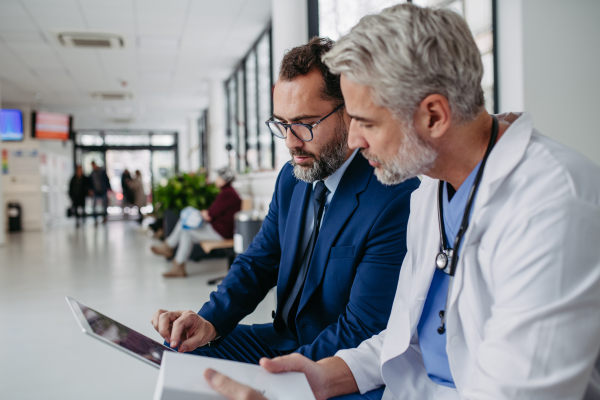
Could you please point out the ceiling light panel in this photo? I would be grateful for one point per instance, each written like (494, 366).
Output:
(23, 82)
(112, 16)
(91, 40)
(219, 8)
(39, 57)
(61, 85)
(154, 42)
(23, 38)
(51, 14)
(14, 18)
(112, 95)
(118, 110)
(119, 64)
(161, 75)
(160, 18)
(155, 62)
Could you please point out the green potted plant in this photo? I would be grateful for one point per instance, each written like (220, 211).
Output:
(181, 191)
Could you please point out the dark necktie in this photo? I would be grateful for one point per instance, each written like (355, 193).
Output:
(290, 306)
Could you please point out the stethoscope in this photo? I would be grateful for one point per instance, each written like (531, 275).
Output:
(446, 259)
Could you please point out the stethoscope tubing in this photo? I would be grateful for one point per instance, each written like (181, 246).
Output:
(452, 253)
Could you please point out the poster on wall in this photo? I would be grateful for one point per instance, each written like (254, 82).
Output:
(20, 162)
(4, 161)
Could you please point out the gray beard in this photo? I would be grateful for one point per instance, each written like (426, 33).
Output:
(331, 157)
(414, 157)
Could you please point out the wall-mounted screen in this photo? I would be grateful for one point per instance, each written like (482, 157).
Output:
(11, 125)
(54, 126)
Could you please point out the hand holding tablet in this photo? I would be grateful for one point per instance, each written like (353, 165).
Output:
(181, 378)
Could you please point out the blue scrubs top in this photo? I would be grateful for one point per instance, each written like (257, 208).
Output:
(433, 345)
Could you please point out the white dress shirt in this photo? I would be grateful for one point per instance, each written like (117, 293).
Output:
(523, 321)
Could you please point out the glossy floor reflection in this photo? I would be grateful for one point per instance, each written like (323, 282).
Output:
(44, 355)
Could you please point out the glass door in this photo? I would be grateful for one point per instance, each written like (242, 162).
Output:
(163, 166)
(119, 161)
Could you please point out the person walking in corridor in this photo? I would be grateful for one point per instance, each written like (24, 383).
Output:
(99, 187)
(78, 188)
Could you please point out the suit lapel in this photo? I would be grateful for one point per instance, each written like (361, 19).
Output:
(291, 239)
(341, 208)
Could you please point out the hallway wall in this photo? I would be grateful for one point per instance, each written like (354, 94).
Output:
(3, 211)
(549, 58)
(37, 178)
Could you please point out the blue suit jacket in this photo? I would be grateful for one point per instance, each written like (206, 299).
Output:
(352, 278)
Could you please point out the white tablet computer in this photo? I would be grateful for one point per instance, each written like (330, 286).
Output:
(117, 335)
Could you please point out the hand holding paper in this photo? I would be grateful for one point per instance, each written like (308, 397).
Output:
(230, 388)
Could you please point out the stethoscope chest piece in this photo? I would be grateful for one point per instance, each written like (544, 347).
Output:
(442, 259)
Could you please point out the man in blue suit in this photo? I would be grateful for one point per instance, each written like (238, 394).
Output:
(333, 240)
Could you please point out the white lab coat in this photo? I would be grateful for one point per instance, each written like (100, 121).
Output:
(524, 314)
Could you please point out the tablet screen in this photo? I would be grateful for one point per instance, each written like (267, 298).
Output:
(123, 336)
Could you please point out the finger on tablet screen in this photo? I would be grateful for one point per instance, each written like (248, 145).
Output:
(179, 326)
(165, 322)
(154, 319)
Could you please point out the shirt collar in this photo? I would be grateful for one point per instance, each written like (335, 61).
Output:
(334, 179)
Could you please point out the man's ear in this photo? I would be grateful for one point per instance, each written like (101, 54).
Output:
(433, 116)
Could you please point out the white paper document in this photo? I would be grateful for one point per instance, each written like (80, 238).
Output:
(181, 377)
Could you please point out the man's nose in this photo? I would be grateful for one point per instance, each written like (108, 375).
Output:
(292, 142)
(355, 137)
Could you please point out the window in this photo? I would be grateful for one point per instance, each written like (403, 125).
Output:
(266, 144)
(203, 133)
(249, 105)
(232, 121)
(337, 17)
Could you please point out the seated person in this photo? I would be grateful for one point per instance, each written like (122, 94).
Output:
(332, 241)
(521, 318)
(217, 225)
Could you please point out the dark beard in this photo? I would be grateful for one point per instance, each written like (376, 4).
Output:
(331, 157)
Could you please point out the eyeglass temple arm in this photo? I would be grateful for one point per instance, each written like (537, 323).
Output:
(325, 117)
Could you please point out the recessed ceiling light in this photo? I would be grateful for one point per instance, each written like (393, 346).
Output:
(91, 40)
(112, 95)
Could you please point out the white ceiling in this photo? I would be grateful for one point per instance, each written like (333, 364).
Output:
(172, 49)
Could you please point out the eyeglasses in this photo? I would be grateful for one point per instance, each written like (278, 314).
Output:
(303, 132)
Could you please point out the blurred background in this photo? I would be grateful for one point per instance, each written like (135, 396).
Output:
(178, 87)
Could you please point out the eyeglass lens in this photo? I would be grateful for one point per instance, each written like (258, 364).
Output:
(302, 132)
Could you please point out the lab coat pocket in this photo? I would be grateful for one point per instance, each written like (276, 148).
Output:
(474, 300)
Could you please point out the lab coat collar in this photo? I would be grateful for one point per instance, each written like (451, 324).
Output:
(504, 158)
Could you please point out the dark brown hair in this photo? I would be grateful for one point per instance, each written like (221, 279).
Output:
(303, 59)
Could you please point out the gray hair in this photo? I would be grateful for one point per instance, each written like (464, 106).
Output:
(407, 53)
(226, 174)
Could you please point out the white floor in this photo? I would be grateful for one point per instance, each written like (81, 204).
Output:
(43, 354)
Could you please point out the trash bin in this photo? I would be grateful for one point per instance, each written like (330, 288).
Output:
(247, 225)
(14, 217)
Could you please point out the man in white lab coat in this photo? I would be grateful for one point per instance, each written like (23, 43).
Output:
(499, 293)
